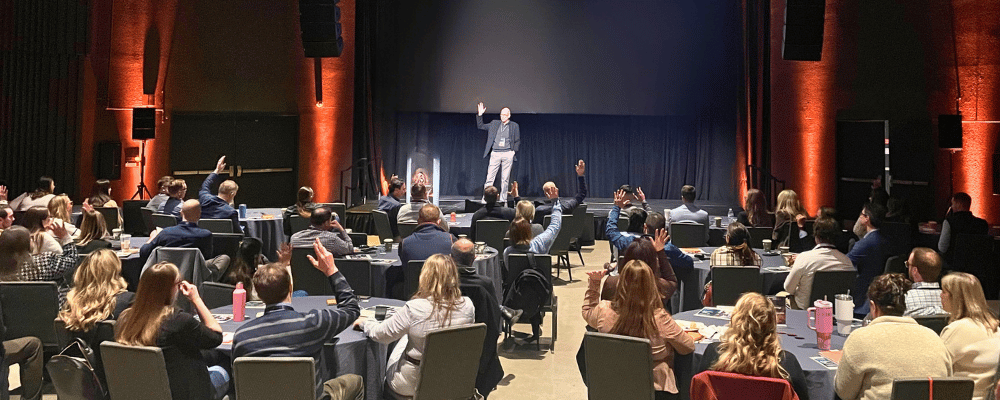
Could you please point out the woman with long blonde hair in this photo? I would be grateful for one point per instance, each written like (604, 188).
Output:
(61, 210)
(99, 292)
(637, 311)
(971, 336)
(751, 346)
(438, 303)
(154, 321)
(93, 231)
(789, 220)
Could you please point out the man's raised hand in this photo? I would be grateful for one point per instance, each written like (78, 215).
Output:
(620, 198)
(221, 165)
(580, 168)
(481, 108)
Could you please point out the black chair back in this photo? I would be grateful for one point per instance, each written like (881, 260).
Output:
(687, 234)
(163, 220)
(358, 238)
(216, 294)
(411, 277)
(491, 232)
(729, 283)
(298, 223)
(110, 215)
(519, 262)
(30, 308)
(618, 367)
(472, 206)
(758, 234)
(216, 225)
(896, 264)
(305, 276)
(147, 220)
(226, 243)
(358, 274)
(338, 208)
(945, 388)
(935, 322)
(406, 228)
(974, 254)
(382, 226)
(133, 219)
(827, 284)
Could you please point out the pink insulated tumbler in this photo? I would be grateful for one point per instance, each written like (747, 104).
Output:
(821, 321)
(240, 303)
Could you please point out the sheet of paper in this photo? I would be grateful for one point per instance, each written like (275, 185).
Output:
(826, 362)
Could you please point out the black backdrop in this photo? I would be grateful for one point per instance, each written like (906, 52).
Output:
(646, 92)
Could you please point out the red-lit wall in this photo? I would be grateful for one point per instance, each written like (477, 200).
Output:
(907, 77)
(283, 82)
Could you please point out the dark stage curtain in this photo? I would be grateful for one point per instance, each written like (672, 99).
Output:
(658, 153)
(42, 44)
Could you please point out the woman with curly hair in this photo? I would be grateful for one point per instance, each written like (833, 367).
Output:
(99, 292)
(438, 303)
(751, 346)
(891, 346)
(637, 311)
(971, 336)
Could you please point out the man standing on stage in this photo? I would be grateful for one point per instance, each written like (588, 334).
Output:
(503, 139)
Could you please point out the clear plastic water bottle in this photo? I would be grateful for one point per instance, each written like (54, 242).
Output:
(731, 218)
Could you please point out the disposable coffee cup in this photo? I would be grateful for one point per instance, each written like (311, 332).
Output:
(388, 245)
(116, 233)
(783, 249)
(767, 244)
(480, 247)
(718, 222)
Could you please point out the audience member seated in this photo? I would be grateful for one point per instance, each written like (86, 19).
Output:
(493, 209)
(789, 221)
(651, 253)
(303, 207)
(682, 264)
(522, 241)
(248, 259)
(61, 210)
(632, 196)
(39, 224)
(898, 211)
(924, 266)
(392, 202)
(438, 303)
(868, 254)
(842, 240)
(100, 196)
(283, 332)
(637, 311)
(153, 321)
(329, 232)
(688, 211)
(636, 222)
(6, 218)
(409, 212)
(38, 198)
(427, 239)
(891, 346)
(552, 196)
(99, 294)
(751, 346)
(161, 193)
(186, 234)
(823, 257)
(737, 251)
(526, 209)
(15, 249)
(25, 351)
(754, 212)
(93, 232)
(221, 206)
(971, 337)
(959, 220)
(176, 190)
(482, 292)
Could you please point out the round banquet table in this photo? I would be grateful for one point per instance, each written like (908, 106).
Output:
(266, 224)
(487, 264)
(820, 379)
(351, 351)
(773, 271)
(462, 224)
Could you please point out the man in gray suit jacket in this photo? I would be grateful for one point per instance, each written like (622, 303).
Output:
(502, 143)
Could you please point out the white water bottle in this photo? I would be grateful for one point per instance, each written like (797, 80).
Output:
(239, 303)
(731, 217)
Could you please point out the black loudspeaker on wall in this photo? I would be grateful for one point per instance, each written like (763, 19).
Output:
(950, 131)
(321, 31)
(143, 123)
(108, 161)
(803, 31)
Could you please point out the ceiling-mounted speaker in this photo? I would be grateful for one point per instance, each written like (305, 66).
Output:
(803, 30)
(321, 31)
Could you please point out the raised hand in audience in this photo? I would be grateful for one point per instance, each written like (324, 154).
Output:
(481, 108)
(58, 229)
(552, 194)
(513, 190)
(221, 165)
(620, 199)
(86, 205)
(596, 275)
(580, 168)
(325, 262)
(660, 239)
(639, 195)
(3, 192)
(285, 254)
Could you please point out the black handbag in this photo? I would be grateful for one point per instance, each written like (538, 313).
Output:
(72, 372)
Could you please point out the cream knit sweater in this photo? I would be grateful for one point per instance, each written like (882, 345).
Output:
(889, 348)
(974, 351)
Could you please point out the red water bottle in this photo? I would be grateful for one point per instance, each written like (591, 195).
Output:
(239, 303)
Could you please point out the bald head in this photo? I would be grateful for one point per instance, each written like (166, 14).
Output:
(549, 188)
(191, 211)
(463, 252)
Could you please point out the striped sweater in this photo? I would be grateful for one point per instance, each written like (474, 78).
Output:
(284, 332)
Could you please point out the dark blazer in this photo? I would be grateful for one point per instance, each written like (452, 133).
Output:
(184, 234)
(213, 207)
(543, 209)
(182, 339)
(492, 211)
(493, 127)
(480, 290)
(868, 255)
(427, 240)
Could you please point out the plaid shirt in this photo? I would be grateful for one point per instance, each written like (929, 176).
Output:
(924, 299)
(50, 267)
(725, 256)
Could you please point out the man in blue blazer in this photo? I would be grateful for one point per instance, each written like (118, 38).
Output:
(502, 142)
(868, 254)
